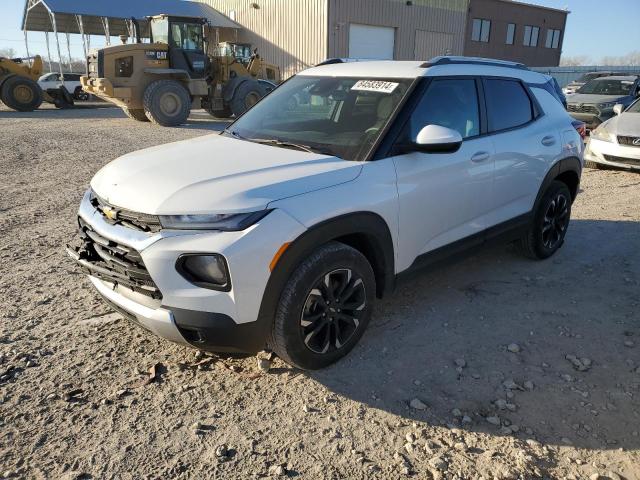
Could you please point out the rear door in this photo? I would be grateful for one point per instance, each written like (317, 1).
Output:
(444, 197)
(525, 141)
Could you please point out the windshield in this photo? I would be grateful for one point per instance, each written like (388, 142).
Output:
(634, 108)
(337, 116)
(607, 87)
(187, 36)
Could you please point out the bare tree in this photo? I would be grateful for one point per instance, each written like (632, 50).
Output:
(8, 52)
(630, 59)
(574, 61)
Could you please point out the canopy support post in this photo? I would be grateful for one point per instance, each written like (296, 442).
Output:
(107, 34)
(69, 51)
(55, 32)
(84, 41)
(46, 37)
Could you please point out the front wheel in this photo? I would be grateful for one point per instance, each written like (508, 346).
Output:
(167, 103)
(324, 307)
(550, 223)
(246, 96)
(21, 94)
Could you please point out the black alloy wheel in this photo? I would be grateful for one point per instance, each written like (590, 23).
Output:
(332, 310)
(555, 221)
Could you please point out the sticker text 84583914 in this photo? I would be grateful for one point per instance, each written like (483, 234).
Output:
(375, 86)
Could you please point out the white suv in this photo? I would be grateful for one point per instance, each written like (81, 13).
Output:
(281, 231)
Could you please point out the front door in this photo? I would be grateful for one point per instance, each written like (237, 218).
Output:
(444, 197)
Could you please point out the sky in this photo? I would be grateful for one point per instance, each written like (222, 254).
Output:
(595, 28)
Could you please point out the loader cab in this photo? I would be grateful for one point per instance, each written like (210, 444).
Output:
(185, 38)
(241, 52)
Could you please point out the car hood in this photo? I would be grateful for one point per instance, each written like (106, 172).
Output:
(215, 174)
(627, 125)
(593, 99)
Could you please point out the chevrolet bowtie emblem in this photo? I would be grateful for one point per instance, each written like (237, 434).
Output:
(110, 213)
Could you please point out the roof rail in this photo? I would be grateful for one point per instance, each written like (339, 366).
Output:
(449, 60)
(331, 61)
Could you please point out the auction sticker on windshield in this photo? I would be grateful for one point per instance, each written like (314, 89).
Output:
(375, 86)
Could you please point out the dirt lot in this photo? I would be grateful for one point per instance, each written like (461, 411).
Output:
(520, 369)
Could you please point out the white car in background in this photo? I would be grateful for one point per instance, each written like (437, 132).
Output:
(71, 83)
(616, 142)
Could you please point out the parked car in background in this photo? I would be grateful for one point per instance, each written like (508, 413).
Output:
(593, 102)
(343, 178)
(617, 141)
(576, 84)
(71, 83)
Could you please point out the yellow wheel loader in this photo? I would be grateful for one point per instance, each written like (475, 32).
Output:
(162, 80)
(19, 87)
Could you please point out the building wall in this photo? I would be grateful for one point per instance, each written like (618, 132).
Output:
(503, 12)
(289, 33)
(423, 29)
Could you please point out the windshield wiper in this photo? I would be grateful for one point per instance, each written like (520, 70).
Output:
(280, 143)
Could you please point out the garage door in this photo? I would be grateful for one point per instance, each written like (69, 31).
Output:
(431, 44)
(368, 41)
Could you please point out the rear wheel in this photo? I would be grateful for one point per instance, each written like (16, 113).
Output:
(550, 223)
(21, 94)
(136, 114)
(324, 307)
(246, 96)
(167, 103)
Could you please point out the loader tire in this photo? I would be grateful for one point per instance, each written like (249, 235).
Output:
(167, 103)
(246, 96)
(136, 114)
(21, 94)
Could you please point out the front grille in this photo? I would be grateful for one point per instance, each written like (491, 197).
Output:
(580, 108)
(622, 140)
(627, 161)
(120, 216)
(116, 263)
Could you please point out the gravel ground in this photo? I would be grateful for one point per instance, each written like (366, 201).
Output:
(491, 367)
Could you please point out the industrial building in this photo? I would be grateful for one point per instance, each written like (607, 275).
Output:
(515, 31)
(298, 33)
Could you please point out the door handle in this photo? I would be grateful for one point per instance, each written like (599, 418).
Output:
(548, 140)
(480, 157)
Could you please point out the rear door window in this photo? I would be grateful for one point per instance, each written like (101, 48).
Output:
(508, 104)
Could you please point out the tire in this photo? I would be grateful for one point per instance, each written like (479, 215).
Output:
(80, 94)
(246, 96)
(136, 114)
(550, 223)
(167, 103)
(331, 333)
(21, 94)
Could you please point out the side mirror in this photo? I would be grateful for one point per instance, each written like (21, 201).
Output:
(618, 108)
(438, 139)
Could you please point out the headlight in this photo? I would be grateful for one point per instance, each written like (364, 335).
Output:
(207, 270)
(605, 105)
(226, 222)
(601, 133)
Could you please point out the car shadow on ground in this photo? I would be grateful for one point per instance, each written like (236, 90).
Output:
(443, 338)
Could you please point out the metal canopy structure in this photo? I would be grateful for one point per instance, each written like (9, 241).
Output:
(108, 18)
(117, 14)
